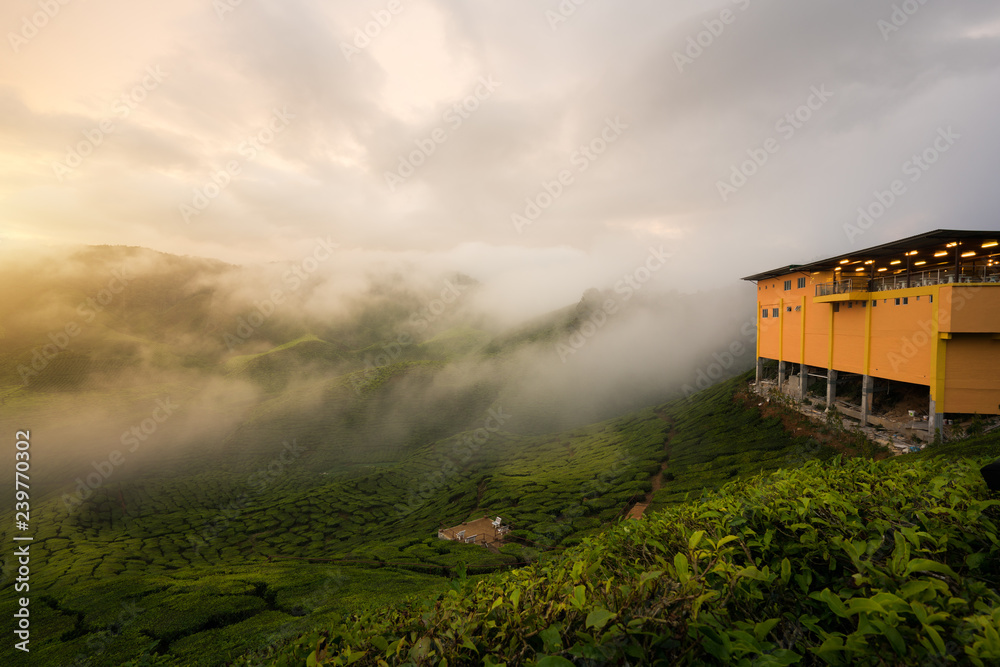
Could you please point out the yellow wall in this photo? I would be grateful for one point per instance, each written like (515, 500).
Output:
(972, 381)
(903, 340)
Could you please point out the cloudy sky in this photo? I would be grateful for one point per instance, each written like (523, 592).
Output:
(563, 139)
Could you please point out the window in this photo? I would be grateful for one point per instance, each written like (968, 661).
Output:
(788, 284)
(897, 300)
(764, 313)
(788, 309)
(836, 307)
(798, 308)
(874, 302)
(931, 297)
(906, 300)
(850, 304)
(774, 312)
(802, 283)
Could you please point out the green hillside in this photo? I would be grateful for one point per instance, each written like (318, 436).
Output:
(845, 563)
(263, 534)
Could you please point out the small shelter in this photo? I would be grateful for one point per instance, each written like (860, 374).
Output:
(485, 532)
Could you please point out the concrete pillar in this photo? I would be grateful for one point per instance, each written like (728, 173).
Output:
(831, 387)
(760, 372)
(782, 374)
(803, 382)
(867, 391)
(935, 420)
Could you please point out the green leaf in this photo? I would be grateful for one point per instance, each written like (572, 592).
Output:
(681, 563)
(599, 618)
(695, 539)
(551, 638)
(762, 629)
(554, 661)
(753, 573)
(926, 565)
(835, 604)
(859, 605)
(580, 596)
(726, 540)
(651, 574)
(786, 570)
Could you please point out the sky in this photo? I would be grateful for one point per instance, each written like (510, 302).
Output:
(551, 143)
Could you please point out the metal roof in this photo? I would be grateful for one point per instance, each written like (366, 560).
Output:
(934, 239)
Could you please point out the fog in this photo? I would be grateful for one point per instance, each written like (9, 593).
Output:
(550, 204)
(164, 364)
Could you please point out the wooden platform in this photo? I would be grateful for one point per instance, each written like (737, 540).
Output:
(637, 511)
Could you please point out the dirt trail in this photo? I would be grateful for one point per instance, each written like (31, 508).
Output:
(637, 510)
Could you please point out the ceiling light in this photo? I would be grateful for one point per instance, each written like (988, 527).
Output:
(896, 261)
(971, 253)
(844, 261)
(919, 263)
(990, 244)
(941, 254)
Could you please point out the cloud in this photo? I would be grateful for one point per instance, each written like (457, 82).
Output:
(357, 117)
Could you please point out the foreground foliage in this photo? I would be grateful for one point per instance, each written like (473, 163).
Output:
(841, 563)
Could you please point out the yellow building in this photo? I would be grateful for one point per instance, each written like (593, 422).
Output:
(923, 310)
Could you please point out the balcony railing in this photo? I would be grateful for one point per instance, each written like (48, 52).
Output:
(981, 274)
(842, 286)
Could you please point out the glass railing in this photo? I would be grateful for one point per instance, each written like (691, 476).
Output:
(842, 286)
(981, 274)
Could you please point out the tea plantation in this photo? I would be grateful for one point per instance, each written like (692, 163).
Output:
(202, 567)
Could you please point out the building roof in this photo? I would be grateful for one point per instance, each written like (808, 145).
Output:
(938, 239)
(483, 527)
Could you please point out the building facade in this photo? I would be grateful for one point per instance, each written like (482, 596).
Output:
(923, 310)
